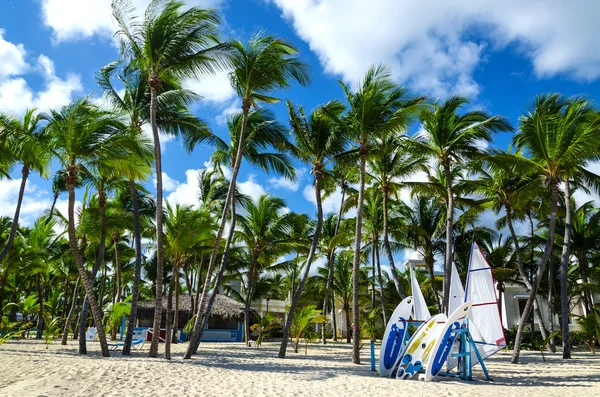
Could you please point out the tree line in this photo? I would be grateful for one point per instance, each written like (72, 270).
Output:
(102, 152)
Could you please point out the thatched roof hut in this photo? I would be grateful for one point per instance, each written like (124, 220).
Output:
(224, 307)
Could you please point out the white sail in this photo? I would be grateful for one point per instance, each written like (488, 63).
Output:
(484, 320)
(457, 298)
(420, 309)
(457, 292)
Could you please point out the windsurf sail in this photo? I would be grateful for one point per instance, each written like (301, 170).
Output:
(457, 298)
(420, 309)
(457, 292)
(485, 324)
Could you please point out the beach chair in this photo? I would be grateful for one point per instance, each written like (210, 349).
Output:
(136, 344)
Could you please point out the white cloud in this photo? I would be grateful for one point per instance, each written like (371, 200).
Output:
(286, 184)
(185, 193)
(35, 201)
(231, 109)
(16, 95)
(431, 44)
(251, 188)
(12, 58)
(81, 19)
(169, 184)
(215, 89)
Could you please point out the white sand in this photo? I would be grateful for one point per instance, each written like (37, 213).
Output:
(230, 369)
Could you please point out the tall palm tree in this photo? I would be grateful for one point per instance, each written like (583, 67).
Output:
(30, 146)
(263, 231)
(585, 238)
(560, 136)
(451, 139)
(424, 231)
(169, 45)
(339, 177)
(503, 189)
(389, 164)
(264, 64)
(84, 138)
(185, 227)
(317, 141)
(378, 108)
(265, 147)
(172, 117)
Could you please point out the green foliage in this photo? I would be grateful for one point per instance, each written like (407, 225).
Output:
(371, 325)
(115, 313)
(590, 329)
(304, 318)
(51, 328)
(264, 326)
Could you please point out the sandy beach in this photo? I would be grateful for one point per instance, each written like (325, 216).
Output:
(226, 369)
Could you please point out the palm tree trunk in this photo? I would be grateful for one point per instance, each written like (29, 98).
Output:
(137, 236)
(383, 309)
(79, 260)
(213, 296)
(15, 221)
(246, 103)
(540, 272)
(356, 259)
(564, 272)
(65, 333)
(95, 269)
(330, 262)
(247, 303)
(388, 250)
(176, 312)
(154, 82)
(169, 314)
(551, 311)
(311, 254)
(348, 325)
(521, 266)
(449, 237)
(333, 316)
(40, 324)
(117, 267)
(373, 278)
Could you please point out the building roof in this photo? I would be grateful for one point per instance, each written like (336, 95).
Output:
(224, 306)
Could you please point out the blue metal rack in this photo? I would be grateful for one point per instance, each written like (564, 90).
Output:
(467, 346)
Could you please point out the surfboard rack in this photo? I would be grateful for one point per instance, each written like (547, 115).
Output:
(467, 346)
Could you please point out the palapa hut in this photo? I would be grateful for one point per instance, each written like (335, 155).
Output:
(224, 325)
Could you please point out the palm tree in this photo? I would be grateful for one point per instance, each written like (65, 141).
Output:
(172, 117)
(503, 189)
(84, 138)
(377, 109)
(585, 238)
(169, 45)
(560, 136)
(450, 139)
(338, 177)
(264, 64)
(264, 233)
(424, 231)
(264, 147)
(317, 141)
(185, 227)
(389, 164)
(30, 146)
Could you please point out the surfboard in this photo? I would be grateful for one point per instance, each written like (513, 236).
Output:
(393, 339)
(419, 347)
(443, 344)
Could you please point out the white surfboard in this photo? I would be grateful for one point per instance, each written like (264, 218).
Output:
(444, 342)
(419, 347)
(392, 343)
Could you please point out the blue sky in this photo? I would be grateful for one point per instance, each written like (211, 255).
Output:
(499, 55)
